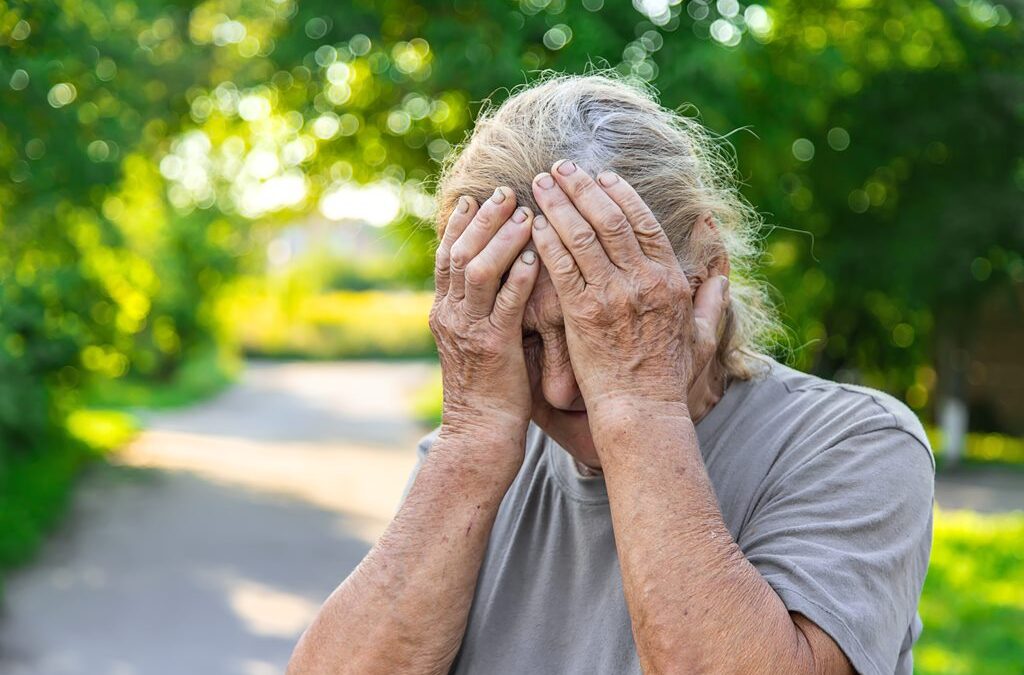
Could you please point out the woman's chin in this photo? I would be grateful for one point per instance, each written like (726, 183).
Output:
(571, 430)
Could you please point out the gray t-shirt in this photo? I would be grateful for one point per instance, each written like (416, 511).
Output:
(826, 487)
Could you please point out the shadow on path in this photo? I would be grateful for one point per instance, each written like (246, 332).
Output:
(209, 543)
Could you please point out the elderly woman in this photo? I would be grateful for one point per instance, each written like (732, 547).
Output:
(622, 482)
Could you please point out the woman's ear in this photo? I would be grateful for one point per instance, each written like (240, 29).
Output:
(710, 254)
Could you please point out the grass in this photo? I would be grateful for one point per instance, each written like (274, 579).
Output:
(973, 600)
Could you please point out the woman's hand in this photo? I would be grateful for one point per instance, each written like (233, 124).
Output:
(477, 321)
(635, 337)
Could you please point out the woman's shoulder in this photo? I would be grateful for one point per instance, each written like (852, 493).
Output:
(810, 406)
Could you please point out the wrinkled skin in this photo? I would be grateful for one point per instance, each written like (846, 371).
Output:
(629, 326)
(631, 330)
(477, 321)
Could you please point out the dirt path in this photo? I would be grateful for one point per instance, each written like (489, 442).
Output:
(209, 544)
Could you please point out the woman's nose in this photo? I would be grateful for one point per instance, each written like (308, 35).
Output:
(561, 391)
(558, 379)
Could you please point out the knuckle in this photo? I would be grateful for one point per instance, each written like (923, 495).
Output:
(615, 221)
(443, 255)
(592, 313)
(442, 260)
(647, 289)
(458, 257)
(474, 313)
(505, 303)
(510, 299)
(676, 283)
(648, 227)
(563, 264)
(513, 290)
(583, 237)
(478, 271)
(436, 321)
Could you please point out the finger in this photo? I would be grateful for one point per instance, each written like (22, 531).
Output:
(461, 216)
(483, 273)
(604, 215)
(649, 232)
(481, 228)
(510, 302)
(709, 305)
(560, 264)
(575, 232)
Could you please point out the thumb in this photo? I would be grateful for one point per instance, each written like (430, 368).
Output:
(709, 304)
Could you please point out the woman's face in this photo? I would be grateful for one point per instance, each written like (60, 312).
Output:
(558, 406)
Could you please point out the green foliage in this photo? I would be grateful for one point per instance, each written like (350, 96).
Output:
(973, 600)
(33, 493)
(99, 277)
(34, 487)
(140, 140)
(200, 377)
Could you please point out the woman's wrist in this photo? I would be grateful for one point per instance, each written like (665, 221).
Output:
(492, 444)
(619, 424)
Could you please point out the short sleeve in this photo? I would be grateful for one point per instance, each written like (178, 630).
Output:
(844, 539)
(422, 448)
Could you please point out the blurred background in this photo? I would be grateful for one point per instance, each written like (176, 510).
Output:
(215, 272)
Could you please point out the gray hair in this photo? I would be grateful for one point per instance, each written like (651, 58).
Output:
(603, 122)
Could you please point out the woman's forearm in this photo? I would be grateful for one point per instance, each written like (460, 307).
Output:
(404, 609)
(693, 597)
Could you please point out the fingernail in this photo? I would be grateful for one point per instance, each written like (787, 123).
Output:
(607, 178)
(545, 181)
(540, 222)
(725, 287)
(565, 167)
(498, 196)
(463, 205)
(529, 257)
(520, 215)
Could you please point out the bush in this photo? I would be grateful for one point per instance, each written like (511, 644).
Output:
(34, 486)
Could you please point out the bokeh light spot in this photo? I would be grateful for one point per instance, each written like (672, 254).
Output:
(803, 149)
(838, 139)
(557, 36)
(61, 94)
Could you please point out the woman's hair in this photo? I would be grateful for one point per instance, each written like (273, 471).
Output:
(603, 122)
